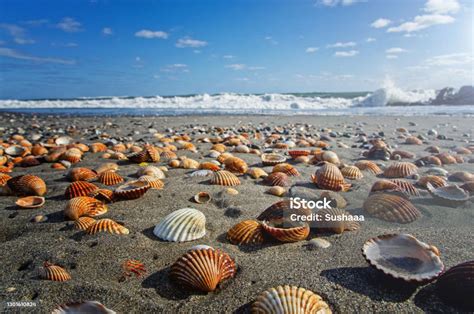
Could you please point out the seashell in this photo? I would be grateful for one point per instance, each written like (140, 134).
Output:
(235, 165)
(286, 231)
(243, 149)
(462, 151)
(222, 157)
(151, 171)
(97, 147)
(64, 140)
(332, 219)
(39, 150)
(73, 155)
(468, 186)
(209, 166)
(459, 159)
(330, 157)
(302, 159)
(298, 153)
(132, 190)
(16, 150)
(318, 243)
(256, 173)
(430, 160)
(336, 200)
(449, 193)
(3, 160)
(352, 173)
(369, 166)
(84, 206)
(4, 178)
(189, 163)
(456, 286)
(437, 171)
(107, 225)
(103, 195)
(404, 257)
(219, 148)
(110, 178)
(80, 188)
(30, 161)
(213, 154)
(202, 269)
(108, 166)
(289, 299)
(155, 183)
(148, 154)
(58, 166)
(30, 202)
(246, 232)
(272, 159)
(462, 176)
(413, 140)
(202, 198)
(435, 181)
(402, 154)
(225, 178)
(433, 149)
(277, 179)
(276, 190)
(201, 173)
(81, 174)
(82, 223)
(395, 185)
(168, 155)
(54, 272)
(174, 163)
(447, 159)
(27, 185)
(282, 210)
(329, 177)
(132, 266)
(392, 208)
(400, 170)
(186, 224)
(286, 169)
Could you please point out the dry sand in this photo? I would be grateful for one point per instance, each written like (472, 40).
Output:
(339, 273)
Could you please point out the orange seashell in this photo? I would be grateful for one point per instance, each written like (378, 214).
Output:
(27, 185)
(132, 266)
(431, 160)
(297, 153)
(148, 154)
(413, 140)
(54, 272)
(286, 169)
(236, 165)
(209, 166)
(277, 179)
(395, 185)
(331, 220)
(154, 183)
(219, 147)
(202, 269)
(435, 181)
(4, 178)
(81, 174)
(3, 160)
(168, 155)
(30, 161)
(329, 177)
(285, 231)
(120, 148)
(402, 154)
(82, 147)
(107, 225)
(352, 173)
(189, 163)
(446, 159)
(84, 206)
(401, 170)
(82, 223)
(80, 188)
(392, 208)
(73, 155)
(110, 178)
(58, 166)
(256, 173)
(222, 157)
(132, 190)
(246, 232)
(98, 148)
(30, 202)
(282, 210)
(224, 178)
(175, 163)
(103, 195)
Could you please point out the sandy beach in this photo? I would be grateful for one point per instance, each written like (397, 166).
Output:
(338, 273)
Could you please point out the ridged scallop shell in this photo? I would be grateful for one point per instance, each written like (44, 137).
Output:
(103, 195)
(107, 225)
(27, 185)
(224, 178)
(30, 202)
(73, 155)
(54, 272)
(446, 158)
(456, 286)
(108, 166)
(222, 157)
(297, 153)
(168, 155)
(149, 153)
(30, 161)
(82, 308)
(98, 147)
(395, 185)
(282, 210)
(132, 190)
(352, 173)
(84, 206)
(246, 232)
(4, 178)
(155, 183)
(186, 224)
(436, 181)
(81, 174)
(209, 166)
(82, 223)
(256, 173)
(110, 178)
(202, 269)
(286, 231)
(286, 169)
(404, 257)
(289, 300)
(132, 266)
(329, 177)
(452, 193)
(332, 219)
(236, 165)
(277, 179)
(392, 208)
(80, 188)
(151, 171)
(400, 170)
(272, 159)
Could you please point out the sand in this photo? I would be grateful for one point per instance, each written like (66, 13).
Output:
(339, 273)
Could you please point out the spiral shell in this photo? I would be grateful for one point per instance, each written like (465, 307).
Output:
(107, 225)
(272, 159)
(132, 190)
(400, 170)
(27, 185)
(246, 232)
(256, 173)
(54, 272)
(392, 208)
(329, 177)
(203, 269)
(151, 171)
(235, 165)
(132, 266)
(286, 169)
(289, 299)
(80, 188)
(82, 223)
(456, 286)
(436, 181)
(224, 178)
(84, 206)
(110, 178)
(332, 220)
(186, 224)
(352, 173)
(30, 202)
(285, 231)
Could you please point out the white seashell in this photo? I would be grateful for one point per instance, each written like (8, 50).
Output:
(182, 225)
(200, 247)
(437, 171)
(452, 193)
(151, 171)
(64, 140)
(213, 154)
(201, 173)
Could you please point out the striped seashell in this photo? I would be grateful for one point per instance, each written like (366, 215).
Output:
(256, 173)
(107, 225)
(82, 307)
(289, 300)
(132, 266)
(81, 174)
(329, 177)
(154, 183)
(413, 140)
(148, 154)
(39, 150)
(73, 155)
(82, 223)
(400, 170)
(151, 171)
(461, 176)
(80, 188)
(447, 159)
(369, 166)
(189, 163)
(402, 154)
(456, 286)
(132, 190)
(282, 210)
(83, 147)
(332, 220)
(4, 178)
(29, 161)
(58, 166)
(54, 272)
(246, 232)
(98, 147)
(430, 160)
(436, 181)
(186, 224)
(209, 166)
(235, 165)
(276, 190)
(468, 186)
(277, 179)
(103, 195)
(286, 169)
(297, 153)
(84, 206)
(222, 157)
(395, 185)
(27, 185)
(108, 166)
(168, 155)
(352, 173)
(30, 202)
(286, 231)
(272, 159)
(202, 269)
(225, 178)
(110, 178)
(392, 208)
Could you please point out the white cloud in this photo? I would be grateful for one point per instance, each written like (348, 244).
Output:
(18, 33)
(10, 53)
(148, 34)
(453, 59)
(188, 42)
(333, 3)
(395, 50)
(107, 31)
(23, 41)
(380, 23)
(421, 22)
(342, 44)
(350, 53)
(312, 49)
(370, 39)
(228, 57)
(442, 6)
(391, 56)
(70, 25)
(176, 68)
(236, 66)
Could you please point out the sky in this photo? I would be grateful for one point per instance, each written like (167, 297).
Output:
(66, 49)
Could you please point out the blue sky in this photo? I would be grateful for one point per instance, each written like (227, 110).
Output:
(91, 48)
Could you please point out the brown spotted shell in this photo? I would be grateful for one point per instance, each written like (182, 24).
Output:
(202, 269)
(369, 166)
(400, 170)
(132, 190)
(277, 179)
(435, 181)
(329, 177)
(456, 286)
(81, 174)
(84, 206)
(286, 231)
(235, 165)
(110, 178)
(392, 208)
(246, 232)
(332, 219)
(155, 183)
(27, 185)
(224, 178)
(107, 225)
(287, 169)
(352, 173)
(54, 272)
(82, 223)
(80, 188)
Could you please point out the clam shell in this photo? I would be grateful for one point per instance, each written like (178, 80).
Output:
(27, 185)
(202, 198)
(132, 266)
(352, 173)
(225, 178)
(132, 190)
(54, 272)
(246, 232)
(256, 173)
(456, 286)
(329, 177)
(243, 149)
(64, 140)
(83, 307)
(15, 150)
(392, 208)
(110, 178)
(189, 163)
(186, 224)
(272, 159)
(448, 193)
(400, 170)
(277, 179)
(81, 174)
(413, 140)
(84, 206)
(287, 169)
(435, 181)
(30, 202)
(331, 221)
(202, 269)
(82, 223)
(107, 225)
(402, 256)
(80, 188)
(154, 182)
(289, 299)
(330, 157)
(286, 232)
(151, 171)
(236, 165)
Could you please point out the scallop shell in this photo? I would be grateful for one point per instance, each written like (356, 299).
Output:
(286, 169)
(222, 157)
(219, 148)
(402, 256)
(436, 181)
(447, 159)
(151, 171)
(286, 231)
(209, 166)
(82, 223)
(330, 157)
(80, 188)
(272, 159)
(149, 153)
(81, 174)
(289, 299)
(400, 170)
(203, 269)
(168, 155)
(235, 165)
(461, 176)
(352, 173)
(246, 232)
(456, 286)
(395, 185)
(186, 224)
(84, 206)
(64, 140)
(297, 153)
(103, 195)
(155, 183)
(30, 161)
(450, 193)
(277, 179)
(73, 155)
(282, 210)
(329, 177)
(256, 173)
(430, 160)
(392, 208)
(108, 166)
(98, 147)
(224, 178)
(132, 266)
(110, 178)
(107, 225)
(4, 178)
(243, 149)
(132, 190)
(54, 272)
(39, 150)
(202, 198)
(332, 220)
(30, 202)
(27, 185)
(276, 190)
(402, 154)
(83, 307)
